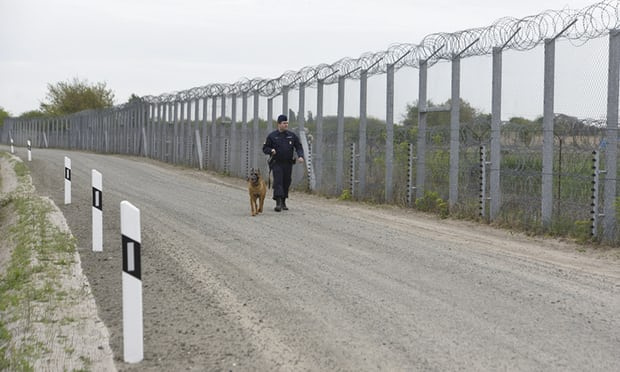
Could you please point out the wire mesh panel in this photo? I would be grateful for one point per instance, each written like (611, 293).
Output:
(521, 168)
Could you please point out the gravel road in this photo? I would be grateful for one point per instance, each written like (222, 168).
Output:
(331, 285)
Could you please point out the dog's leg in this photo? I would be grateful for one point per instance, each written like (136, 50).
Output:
(262, 201)
(253, 205)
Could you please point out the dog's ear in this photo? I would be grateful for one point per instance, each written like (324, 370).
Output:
(258, 171)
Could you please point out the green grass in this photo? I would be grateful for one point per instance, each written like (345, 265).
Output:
(41, 251)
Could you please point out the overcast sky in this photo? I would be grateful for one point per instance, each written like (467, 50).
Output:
(150, 47)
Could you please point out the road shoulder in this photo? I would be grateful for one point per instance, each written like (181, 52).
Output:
(50, 317)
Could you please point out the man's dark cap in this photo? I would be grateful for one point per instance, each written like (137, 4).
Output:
(282, 118)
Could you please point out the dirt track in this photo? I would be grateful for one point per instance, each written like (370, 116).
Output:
(332, 285)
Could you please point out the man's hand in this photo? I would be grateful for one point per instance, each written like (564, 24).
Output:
(300, 159)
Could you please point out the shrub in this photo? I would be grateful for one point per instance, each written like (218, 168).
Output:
(431, 202)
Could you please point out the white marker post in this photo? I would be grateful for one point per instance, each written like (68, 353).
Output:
(132, 284)
(29, 145)
(12, 148)
(97, 211)
(67, 180)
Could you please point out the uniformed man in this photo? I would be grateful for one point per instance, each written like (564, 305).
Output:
(282, 146)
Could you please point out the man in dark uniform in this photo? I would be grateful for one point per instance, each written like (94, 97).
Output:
(282, 145)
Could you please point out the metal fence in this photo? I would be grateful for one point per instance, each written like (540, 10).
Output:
(557, 175)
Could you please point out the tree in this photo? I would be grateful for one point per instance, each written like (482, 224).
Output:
(524, 130)
(67, 97)
(134, 99)
(517, 120)
(291, 116)
(410, 119)
(3, 115)
(474, 125)
(439, 118)
(32, 114)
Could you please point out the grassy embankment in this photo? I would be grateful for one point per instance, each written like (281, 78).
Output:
(36, 254)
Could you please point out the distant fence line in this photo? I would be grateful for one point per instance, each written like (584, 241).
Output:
(169, 127)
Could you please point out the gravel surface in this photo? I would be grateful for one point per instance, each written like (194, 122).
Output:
(332, 285)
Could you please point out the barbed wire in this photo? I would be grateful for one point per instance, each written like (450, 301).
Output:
(578, 26)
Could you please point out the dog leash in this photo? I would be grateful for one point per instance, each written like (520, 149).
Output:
(269, 161)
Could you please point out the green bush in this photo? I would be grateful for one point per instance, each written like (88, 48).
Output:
(582, 231)
(431, 202)
(345, 195)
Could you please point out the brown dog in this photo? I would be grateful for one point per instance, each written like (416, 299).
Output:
(257, 190)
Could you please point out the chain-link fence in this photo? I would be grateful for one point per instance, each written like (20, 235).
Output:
(515, 123)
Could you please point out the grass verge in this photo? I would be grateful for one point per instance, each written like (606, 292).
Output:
(31, 290)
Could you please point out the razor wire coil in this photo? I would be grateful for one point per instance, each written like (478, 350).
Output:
(577, 26)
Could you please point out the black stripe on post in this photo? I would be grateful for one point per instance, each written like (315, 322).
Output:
(97, 201)
(67, 174)
(131, 257)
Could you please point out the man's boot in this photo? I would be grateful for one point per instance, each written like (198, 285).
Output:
(278, 207)
(284, 207)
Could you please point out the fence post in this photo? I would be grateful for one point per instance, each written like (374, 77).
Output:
(144, 125)
(483, 181)
(594, 204)
(205, 130)
(163, 129)
(285, 90)
(308, 159)
(611, 137)
(548, 120)
(352, 171)
(455, 113)
(226, 156)
(340, 136)
(175, 124)
(410, 186)
(246, 172)
(199, 149)
(244, 132)
(496, 120)
(222, 107)
(389, 138)
(422, 91)
(207, 151)
(214, 143)
(181, 137)
(157, 132)
(257, 149)
(269, 115)
(362, 135)
(301, 115)
(189, 134)
(233, 147)
(318, 159)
